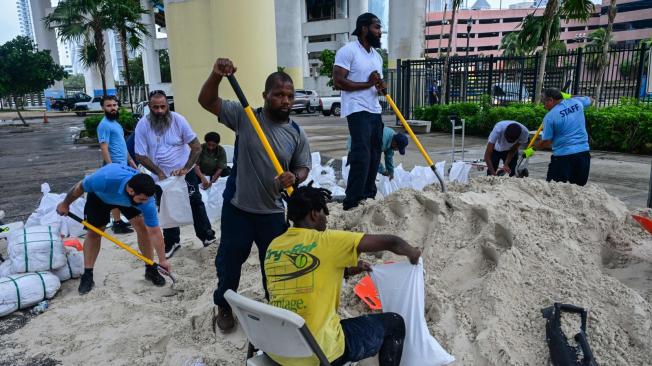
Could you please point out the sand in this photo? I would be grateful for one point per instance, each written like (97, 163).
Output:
(495, 252)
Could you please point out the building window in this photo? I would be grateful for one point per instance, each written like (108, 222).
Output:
(433, 23)
(320, 10)
(314, 55)
(487, 21)
(512, 20)
(487, 48)
(463, 49)
(320, 38)
(592, 27)
(574, 29)
(488, 35)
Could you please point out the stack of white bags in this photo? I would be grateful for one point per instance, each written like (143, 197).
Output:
(37, 263)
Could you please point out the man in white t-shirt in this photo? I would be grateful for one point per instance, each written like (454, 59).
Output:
(167, 146)
(358, 74)
(503, 144)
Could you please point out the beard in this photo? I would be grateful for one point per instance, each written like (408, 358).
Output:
(373, 40)
(111, 115)
(279, 115)
(160, 123)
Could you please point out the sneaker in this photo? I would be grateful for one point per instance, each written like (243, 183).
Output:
(224, 320)
(208, 242)
(86, 284)
(121, 227)
(151, 274)
(170, 249)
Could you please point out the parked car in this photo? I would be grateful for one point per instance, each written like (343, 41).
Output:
(94, 105)
(306, 100)
(331, 105)
(68, 103)
(504, 93)
(142, 108)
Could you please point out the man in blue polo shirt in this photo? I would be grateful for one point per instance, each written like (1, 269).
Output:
(564, 128)
(124, 188)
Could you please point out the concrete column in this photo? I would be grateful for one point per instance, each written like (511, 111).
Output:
(406, 29)
(356, 8)
(199, 31)
(289, 41)
(151, 65)
(45, 38)
(92, 75)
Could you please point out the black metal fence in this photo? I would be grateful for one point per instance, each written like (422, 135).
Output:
(514, 79)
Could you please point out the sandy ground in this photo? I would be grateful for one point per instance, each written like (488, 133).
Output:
(496, 252)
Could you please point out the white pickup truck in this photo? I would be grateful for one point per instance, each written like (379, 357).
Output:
(94, 105)
(333, 105)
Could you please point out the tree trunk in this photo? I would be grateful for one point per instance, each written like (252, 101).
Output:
(602, 68)
(441, 30)
(550, 13)
(444, 79)
(18, 110)
(101, 57)
(125, 63)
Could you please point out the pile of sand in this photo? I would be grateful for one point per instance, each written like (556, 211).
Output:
(496, 252)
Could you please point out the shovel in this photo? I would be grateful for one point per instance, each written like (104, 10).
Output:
(259, 131)
(414, 138)
(124, 246)
(521, 170)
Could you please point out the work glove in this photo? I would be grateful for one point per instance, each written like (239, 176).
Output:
(528, 152)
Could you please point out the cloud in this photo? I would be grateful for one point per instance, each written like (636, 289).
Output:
(9, 27)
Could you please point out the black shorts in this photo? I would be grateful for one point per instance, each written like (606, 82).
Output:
(573, 168)
(98, 213)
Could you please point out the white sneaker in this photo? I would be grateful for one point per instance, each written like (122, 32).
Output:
(208, 242)
(169, 251)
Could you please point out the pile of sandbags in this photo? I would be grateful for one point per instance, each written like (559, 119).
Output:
(26, 290)
(46, 213)
(74, 267)
(36, 248)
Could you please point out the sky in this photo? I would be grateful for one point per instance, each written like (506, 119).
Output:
(9, 28)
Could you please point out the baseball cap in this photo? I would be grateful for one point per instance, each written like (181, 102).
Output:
(363, 20)
(401, 142)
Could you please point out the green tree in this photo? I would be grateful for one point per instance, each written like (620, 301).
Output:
(84, 22)
(327, 58)
(542, 30)
(164, 65)
(24, 69)
(136, 72)
(602, 63)
(455, 5)
(125, 17)
(75, 81)
(511, 45)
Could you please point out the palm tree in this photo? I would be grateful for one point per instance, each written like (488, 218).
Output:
(602, 64)
(541, 30)
(84, 22)
(125, 16)
(455, 5)
(441, 30)
(511, 45)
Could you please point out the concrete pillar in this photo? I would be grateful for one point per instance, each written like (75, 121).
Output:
(406, 29)
(289, 41)
(199, 31)
(151, 65)
(46, 39)
(356, 8)
(94, 80)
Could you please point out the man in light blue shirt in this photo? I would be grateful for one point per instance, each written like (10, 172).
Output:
(564, 128)
(116, 186)
(111, 137)
(391, 142)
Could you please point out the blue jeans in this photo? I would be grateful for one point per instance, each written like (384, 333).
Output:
(497, 156)
(200, 221)
(366, 130)
(373, 334)
(573, 168)
(239, 230)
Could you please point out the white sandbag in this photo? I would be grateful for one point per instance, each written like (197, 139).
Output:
(459, 172)
(316, 159)
(422, 176)
(175, 203)
(401, 290)
(6, 269)
(387, 186)
(74, 267)
(402, 177)
(440, 167)
(25, 290)
(36, 248)
(212, 198)
(345, 169)
(46, 214)
(8, 228)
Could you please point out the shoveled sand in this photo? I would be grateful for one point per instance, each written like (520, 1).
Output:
(496, 252)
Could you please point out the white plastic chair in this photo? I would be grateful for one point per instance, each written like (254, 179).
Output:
(273, 330)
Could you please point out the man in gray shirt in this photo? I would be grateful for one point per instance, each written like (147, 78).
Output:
(252, 209)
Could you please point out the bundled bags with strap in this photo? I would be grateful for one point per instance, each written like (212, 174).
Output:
(74, 267)
(25, 290)
(5, 269)
(36, 248)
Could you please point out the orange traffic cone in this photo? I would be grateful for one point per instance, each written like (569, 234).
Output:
(45, 117)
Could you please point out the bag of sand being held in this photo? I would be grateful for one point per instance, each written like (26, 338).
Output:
(74, 267)
(25, 290)
(36, 248)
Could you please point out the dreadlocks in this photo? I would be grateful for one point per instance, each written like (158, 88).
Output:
(305, 200)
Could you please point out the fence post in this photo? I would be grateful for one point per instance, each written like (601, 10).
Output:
(490, 76)
(578, 70)
(407, 109)
(536, 76)
(641, 67)
(649, 193)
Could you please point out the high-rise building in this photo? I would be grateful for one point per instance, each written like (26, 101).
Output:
(25, 18)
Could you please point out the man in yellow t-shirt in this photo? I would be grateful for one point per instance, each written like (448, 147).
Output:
(305, 267)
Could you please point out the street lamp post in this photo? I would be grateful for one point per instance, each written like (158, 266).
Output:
(469, 24)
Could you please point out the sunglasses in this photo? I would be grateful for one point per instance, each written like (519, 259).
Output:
(156, 92)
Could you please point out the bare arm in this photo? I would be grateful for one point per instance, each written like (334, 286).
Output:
(75, 192)
(131, 161)
(487, 158)
(342, 83)
(106, 157)
(195, 150)
(209, 97)
(511, 153)
(301, 174)
(392, 243)
(543, 144)
(216, 176)
(144, 160)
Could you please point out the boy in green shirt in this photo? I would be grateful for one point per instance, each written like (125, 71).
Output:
(211, 161)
